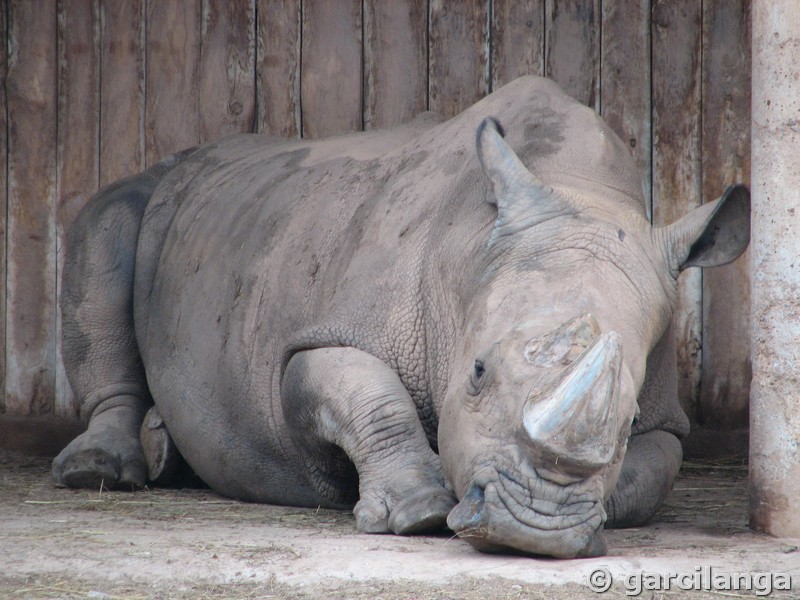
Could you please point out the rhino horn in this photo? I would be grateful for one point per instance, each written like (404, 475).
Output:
(521, 198)
(572, 428)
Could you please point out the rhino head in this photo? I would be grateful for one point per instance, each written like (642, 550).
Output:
(576, 290)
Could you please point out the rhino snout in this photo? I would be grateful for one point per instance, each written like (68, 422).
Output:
(489, 528)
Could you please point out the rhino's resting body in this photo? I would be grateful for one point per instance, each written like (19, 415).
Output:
(315, 320)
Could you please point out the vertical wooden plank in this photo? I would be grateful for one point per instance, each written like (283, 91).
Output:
(458, 54)
(77, 159)
(31, 294)
(625, 79)
(172, 99)
(121, 89)
(227, 68)
(725, 387)
(278, 68)
(676, 164)
(395, 61)
(3, 195)
(330, 73)
(517, 40)
(572, 48)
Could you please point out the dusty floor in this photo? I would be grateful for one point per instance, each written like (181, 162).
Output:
(57, 543)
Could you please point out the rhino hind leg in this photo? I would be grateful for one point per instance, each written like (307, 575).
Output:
(107, 454)
(649, 469)
(101, 356)
(347, 399)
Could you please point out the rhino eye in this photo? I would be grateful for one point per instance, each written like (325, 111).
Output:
(479, 369)
(477, 379)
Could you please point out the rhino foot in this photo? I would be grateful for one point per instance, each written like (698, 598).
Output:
(424, 511)
(107, 454)
(649, 469)
(164, 463)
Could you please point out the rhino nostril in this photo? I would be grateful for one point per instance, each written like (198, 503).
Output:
(469, 515)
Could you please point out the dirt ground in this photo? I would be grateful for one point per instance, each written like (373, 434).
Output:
(58, 543)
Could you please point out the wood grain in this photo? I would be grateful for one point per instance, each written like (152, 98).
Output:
(278, 68)
(330, 74)
(725, 387)
(77, 160)
(459, 55)
(572, 48)
(122, 88)
(517, 40)
(226, 79)
(395, 61)
(676, 31)
(172, 99)
(3, 197)
(625, 80)
(31, 290)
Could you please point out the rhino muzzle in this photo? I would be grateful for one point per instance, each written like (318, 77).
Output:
(485, 519)
(571, 428)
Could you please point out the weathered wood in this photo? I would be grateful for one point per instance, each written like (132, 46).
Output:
(3, 196)
(725, 386)
(625, 81)
(572, 48)
(227, 68)
(676, 32)
(458, 54)
(518, 34)
(517, 40)
(395, 61)
(78, 151)
(122, 87)
(172, 100)
(31, 293)
(331, 77)
(278, 68)
(77, 160)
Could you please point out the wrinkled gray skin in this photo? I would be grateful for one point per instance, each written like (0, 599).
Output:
(391, 318)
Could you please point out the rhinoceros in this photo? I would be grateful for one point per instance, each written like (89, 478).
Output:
(431, 327)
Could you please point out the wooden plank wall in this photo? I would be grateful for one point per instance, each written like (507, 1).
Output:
(4, 33)
(93, 90)
(676, 116)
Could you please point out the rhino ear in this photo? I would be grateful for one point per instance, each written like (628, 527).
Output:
(711, 235)
(521, 198)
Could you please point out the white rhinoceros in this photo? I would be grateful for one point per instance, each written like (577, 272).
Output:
(395, 321)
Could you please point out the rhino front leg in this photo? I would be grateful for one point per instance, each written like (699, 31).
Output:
(350, 399)
(649, 469)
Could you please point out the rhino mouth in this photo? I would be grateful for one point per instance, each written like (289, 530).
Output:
(531, 515)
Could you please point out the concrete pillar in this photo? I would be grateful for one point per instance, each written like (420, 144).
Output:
(775, 269)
